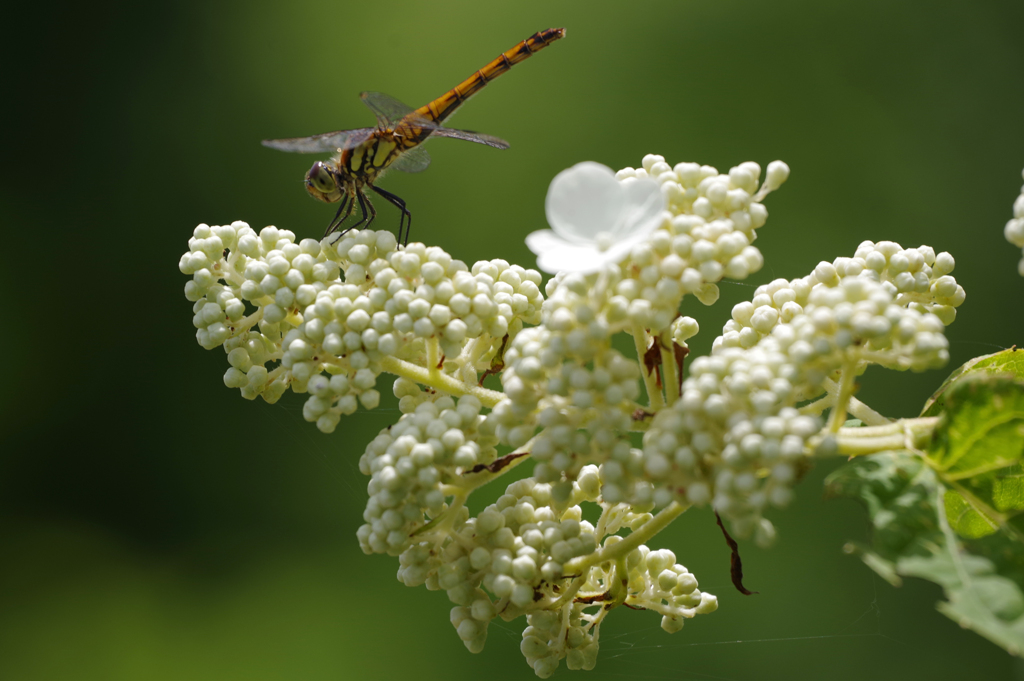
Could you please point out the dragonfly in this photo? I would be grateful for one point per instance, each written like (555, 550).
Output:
(362, 155)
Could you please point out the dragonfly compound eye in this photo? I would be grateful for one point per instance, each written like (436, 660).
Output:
(320, 178)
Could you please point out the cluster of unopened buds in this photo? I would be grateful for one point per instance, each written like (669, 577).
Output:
(627, 434)
(1014, 230)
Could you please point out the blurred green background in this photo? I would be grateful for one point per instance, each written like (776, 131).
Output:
(154, 525)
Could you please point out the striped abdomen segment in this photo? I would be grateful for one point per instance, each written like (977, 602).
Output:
(445, 105)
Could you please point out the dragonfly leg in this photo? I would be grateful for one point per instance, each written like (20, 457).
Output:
(406, 218)
(336, 222)
(373, 211)
(366, 216)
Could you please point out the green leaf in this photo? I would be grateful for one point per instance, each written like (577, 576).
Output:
(1006, 362)
(895, 487)
(976, 451)
(952, 514)
(906, 501)
(967, 520)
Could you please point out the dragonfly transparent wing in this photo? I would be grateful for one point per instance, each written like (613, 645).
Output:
(469, 136)
(389, 111)
(413, 161)
(327, 142)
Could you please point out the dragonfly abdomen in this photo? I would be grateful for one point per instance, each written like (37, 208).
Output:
(445, 105)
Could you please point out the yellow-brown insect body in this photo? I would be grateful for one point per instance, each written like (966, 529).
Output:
(367, 161)
(445, 105)
(362, 155)
(359, 166)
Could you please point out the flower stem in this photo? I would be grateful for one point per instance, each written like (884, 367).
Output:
(467, 364)
(902, 434)
(441, 526)
(866, 414)
(569, 593)
(669, 368)
(433, 356)
(847, 381)
(630, 542)
(230, 272)
(472, 481)
(246, 323)
(818, 406)
(654, 398)
(440, 381)
(857, 408)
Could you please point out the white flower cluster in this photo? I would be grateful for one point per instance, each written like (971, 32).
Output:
(551, 637)
(514, 549)
(397, 301)
(583, 402)
(643, 579)
(564, 376)
(222, 295)
(411, 463)
(894, 286)
(706, 235)
(427, 293)
(734, 438)
(331, 334)
(327, 318)
(510, 560)
(1014, 230)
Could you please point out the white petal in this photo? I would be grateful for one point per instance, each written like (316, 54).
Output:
(573, 258)
(555, 254)
(645, 203)
(584, 201)
(544, 240)
(621, 249)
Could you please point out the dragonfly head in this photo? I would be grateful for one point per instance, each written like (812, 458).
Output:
(322, 184)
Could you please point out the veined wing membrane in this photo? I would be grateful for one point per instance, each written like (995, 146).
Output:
(470, 136)
(389, 111)
(414, 160)
(326, 142)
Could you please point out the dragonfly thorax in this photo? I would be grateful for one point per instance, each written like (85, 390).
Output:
(364, 162)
